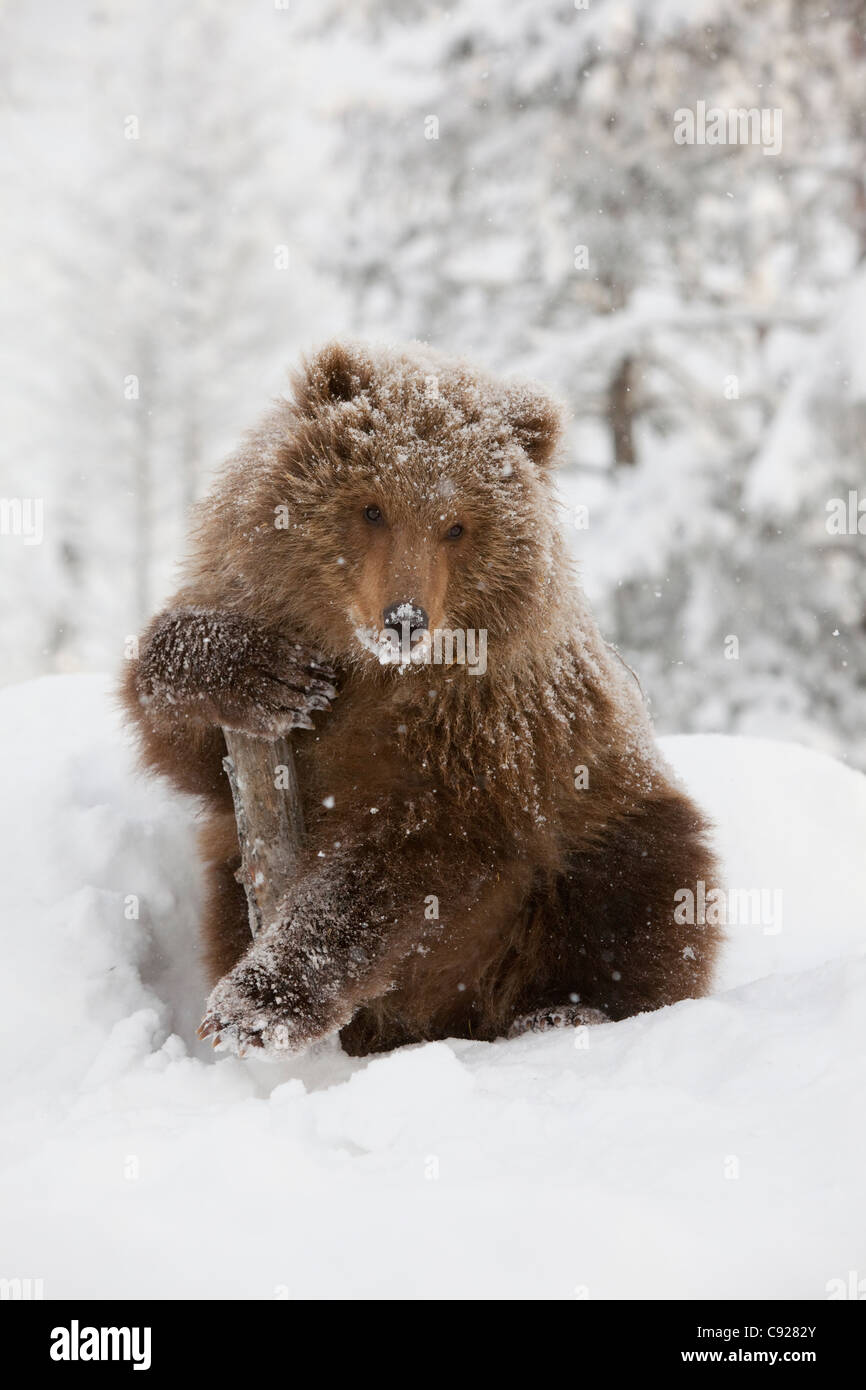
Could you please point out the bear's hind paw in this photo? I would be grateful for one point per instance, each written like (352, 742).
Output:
(560, 1016)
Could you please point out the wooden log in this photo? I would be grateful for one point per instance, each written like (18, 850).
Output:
(269, 817)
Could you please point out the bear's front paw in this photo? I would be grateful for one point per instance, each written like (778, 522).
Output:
(252, 1008)
(279, 690)
(221, 668)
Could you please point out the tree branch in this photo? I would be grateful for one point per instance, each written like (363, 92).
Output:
(269, 819)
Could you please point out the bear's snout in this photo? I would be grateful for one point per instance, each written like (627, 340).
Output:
(405, 611)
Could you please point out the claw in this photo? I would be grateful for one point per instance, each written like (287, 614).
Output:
(323, 688)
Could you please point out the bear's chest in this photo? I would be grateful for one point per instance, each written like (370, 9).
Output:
(359, 751)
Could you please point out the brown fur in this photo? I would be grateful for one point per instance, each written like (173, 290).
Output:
(446, 785)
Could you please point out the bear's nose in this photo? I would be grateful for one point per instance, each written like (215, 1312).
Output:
(396, 614)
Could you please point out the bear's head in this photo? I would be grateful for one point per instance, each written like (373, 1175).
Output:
(400, 494)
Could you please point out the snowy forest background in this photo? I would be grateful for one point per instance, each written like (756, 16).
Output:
(195, 193)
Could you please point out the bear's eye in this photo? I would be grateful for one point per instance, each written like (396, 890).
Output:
(373, 515)
(455, 532)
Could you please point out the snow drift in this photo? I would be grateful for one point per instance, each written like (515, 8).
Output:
(711, 1149)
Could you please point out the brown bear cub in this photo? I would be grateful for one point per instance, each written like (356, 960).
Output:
(494, 843)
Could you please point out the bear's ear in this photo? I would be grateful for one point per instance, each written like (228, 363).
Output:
(337, 372)
(537, 422)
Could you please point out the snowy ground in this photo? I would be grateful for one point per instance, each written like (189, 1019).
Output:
(711, 1149)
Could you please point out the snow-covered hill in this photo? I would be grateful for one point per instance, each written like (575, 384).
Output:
(711, 1149)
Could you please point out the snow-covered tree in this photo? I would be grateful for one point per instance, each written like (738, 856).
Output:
(172, 280)
(516, 189)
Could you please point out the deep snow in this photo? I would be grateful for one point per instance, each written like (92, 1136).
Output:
(710, 1149)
